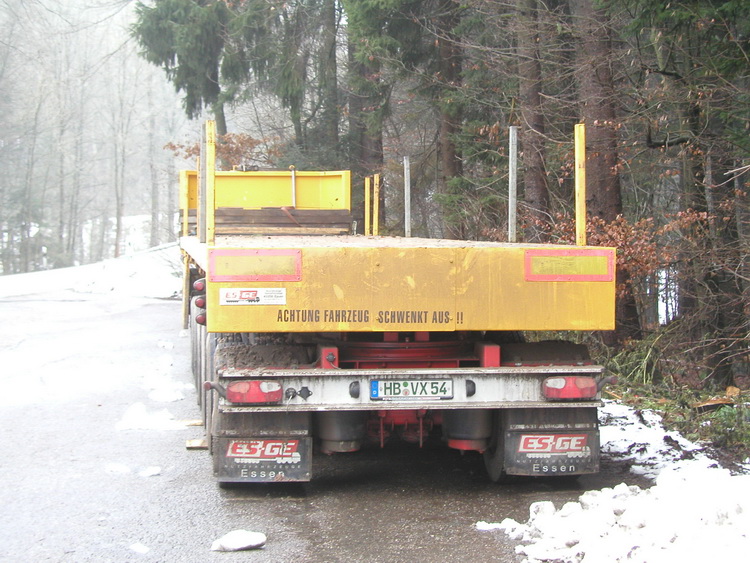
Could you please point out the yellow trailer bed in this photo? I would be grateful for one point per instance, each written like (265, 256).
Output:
(358, 283)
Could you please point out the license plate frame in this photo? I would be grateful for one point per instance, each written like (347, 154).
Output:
(411, 389)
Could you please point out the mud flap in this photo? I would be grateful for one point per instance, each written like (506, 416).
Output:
(261, 447)
(262, 460)
(551, 442)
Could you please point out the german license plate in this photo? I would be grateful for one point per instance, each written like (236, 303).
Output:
(404, 389)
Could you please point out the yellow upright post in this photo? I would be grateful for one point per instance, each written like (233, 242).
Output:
(367, 206)
(184, 206)
(184, 230)
(210, 158)
(580, 183)
(376, 205)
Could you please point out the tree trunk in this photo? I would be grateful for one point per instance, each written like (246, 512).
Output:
(220, 118)
(449, 64)
(27, 217)
(154, 173)
(173, 229)
(365, 124)
(74, 205)
(60, 238)
(536, 194)
(596, 95)
(597, 98)
(119, 190)
(328, 82)
(154, 238)
(366, 134)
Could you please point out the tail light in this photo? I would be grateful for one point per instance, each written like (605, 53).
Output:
(569, 388)
(255, 392)
(200, 285)
(199, 289)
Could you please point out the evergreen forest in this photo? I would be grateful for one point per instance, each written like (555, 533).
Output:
(663, 88)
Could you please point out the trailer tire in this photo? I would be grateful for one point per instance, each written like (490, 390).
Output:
(208, 373)
(194, 345)
(494, 455)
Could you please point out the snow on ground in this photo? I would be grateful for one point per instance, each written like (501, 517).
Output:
(115, 286)
(694, 511)
(640, 439)
(156, 272)
(140, 417)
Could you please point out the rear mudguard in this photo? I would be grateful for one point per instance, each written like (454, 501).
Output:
(550, 442)
(262, 447)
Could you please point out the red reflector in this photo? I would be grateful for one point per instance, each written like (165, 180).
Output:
(569, 387)
(200, 318)
(200, 302)
(200, 285)
(255, 392)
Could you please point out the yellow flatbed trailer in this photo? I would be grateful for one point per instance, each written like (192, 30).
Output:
(307, 336)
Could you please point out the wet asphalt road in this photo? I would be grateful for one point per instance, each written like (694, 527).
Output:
(79, 482)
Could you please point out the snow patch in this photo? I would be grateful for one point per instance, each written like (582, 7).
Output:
(694, 511)
(639, 438)
(162, 388)
(156, 272)
(151, 471)
(140, 548)
(165, 395)
(690, 514)
(137, 417)
(483, 526)
(238, 540)
(134, 275)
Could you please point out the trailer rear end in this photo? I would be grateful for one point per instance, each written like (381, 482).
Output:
(310, 339)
